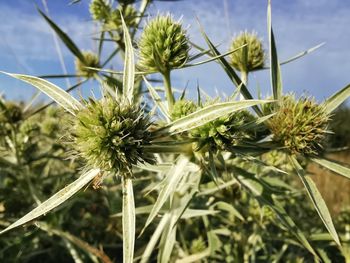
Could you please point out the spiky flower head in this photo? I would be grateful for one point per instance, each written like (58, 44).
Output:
(91, 60)
(182, 108)
(114, 22)
(163, 45)
(300, 125)
(223, 132)
(250, 57)
(99, 9)
(111, 135)
(10, 112)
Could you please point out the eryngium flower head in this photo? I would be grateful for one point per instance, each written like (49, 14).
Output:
(250, 57)
(11, 113)
(182, 108)
(114, 22)
(223, 132)
(299, 125)
(163, 45)
(111, 135)
(99, 9)
(91, 60)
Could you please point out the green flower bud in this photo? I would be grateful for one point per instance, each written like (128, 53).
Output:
(111, 135)
(12, 113)
(99, 9)
(114, 22)
(197, 245)
(91, 60)
(163, 45)
(223, 132)
(299, 125)
(250, 57)
(182, 108)
(29, 128)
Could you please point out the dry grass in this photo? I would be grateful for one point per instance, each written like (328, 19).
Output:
(335, 189)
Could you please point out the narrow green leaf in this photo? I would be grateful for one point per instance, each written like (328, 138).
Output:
(301, 54)
(128, 220)
(258, 189)
(129, 64)
(55, 200)
(336, 99)
(207, 114)
(154, 239)
(275, 71)
(316, 199)
(333, 166)
(68, 102)
(171, 180)
(213, 58)
(191, 213)
(230, 72)
(64, 37)
(157, 100)
(228, 208)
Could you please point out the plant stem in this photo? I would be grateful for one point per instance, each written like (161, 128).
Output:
(168, 92)
(244, 78)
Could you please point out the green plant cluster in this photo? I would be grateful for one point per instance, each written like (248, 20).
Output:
(158, 177)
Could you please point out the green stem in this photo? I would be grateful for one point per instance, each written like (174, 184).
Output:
(168, 92)
(244, 78)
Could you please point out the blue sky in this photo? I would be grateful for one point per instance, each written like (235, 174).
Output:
(27, 45)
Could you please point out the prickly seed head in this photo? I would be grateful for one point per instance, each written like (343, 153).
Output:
(182, 108)
(163, 45)
(250, 57)
(99, 9)
(91, 60)
(111, 135)
(114, 22)
(224, 132)
(300, 125)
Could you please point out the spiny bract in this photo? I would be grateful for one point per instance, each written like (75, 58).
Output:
(111, 134)
(91, 60)
(99, 9)
(163, 45)
(299, 125)
(250, 57)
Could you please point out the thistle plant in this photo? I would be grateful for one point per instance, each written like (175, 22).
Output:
(90, 60)
(111, 134)
(239, 142)
(99, 9)
(300, 125)
(251, 56)
(163, 46)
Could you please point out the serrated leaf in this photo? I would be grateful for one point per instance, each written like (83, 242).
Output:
(64, 37)
(336, 99)
(316, 199)
(333, 166)
(128, 220)
(173, 177)
(55, 200)
(275, 71)
(207, 114)
(63, 98)
(129, 64)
